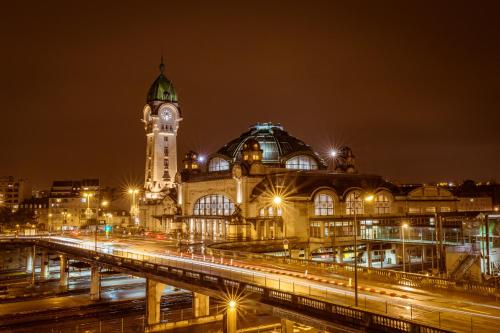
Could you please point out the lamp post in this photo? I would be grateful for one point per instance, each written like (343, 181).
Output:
(50, 223)
(367, 198)
(89, 195)
(133, 208)
(333, 155)
(403, 227)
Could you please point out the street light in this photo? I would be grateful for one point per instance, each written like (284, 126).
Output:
(133, 208)
(366, 198)
(403, 227)
(89, 195)
(277, 200)
(333, 155)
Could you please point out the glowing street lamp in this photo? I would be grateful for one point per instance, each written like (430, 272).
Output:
(133, 208)
(403, 227)
(367, 198)
(277, 200)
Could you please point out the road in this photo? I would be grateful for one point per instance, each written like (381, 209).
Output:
(450, 311)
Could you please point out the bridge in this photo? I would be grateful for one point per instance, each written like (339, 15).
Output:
(295, 297)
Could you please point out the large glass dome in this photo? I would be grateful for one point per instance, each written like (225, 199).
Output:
(276, 144)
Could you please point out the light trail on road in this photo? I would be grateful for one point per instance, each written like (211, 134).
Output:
(411, 308)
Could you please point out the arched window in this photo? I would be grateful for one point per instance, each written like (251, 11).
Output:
(302, 162)
(213, 204)
(353, 202)
(323, 204)
(382, 204)
(218, 164)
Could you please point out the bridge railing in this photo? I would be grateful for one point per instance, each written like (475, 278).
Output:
(384, 275)
(311, 300)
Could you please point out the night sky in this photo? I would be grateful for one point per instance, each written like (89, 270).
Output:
(413, 89)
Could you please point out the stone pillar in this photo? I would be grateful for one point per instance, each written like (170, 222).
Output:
(340, 253)
(232, 232)
(30, 260)
(201, 305)
(286, 326)
(229, 325)
(295, 254)
(44, 265)
(369, 254)
(95, 283)
(63, 275)
(154, 290)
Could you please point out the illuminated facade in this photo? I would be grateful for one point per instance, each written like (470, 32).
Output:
(268, 185)
(161, 117)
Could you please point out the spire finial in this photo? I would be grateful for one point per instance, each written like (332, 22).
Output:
(162, 65)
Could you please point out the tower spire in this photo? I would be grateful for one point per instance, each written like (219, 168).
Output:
(162, 65)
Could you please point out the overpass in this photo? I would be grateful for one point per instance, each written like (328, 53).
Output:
(315, 303)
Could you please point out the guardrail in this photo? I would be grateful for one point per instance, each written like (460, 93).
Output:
(384, 275)
(276, 292)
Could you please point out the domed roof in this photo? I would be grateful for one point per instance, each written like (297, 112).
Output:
(162, 89)
(277, 145)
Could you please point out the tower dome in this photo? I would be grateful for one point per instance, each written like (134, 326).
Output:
(162, 89)
(278, 147)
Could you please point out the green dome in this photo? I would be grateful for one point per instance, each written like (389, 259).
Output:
(162, 89)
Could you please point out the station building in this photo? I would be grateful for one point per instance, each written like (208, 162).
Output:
(267, 184)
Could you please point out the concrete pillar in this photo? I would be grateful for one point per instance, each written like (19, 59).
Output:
(95, 283)
(44, 265)
(63, 275)
(230, 320)
(286, 326)
(369, 254)
(424, 254)
(154, 290)
(201, 305)
(30, 260)
(340, 254)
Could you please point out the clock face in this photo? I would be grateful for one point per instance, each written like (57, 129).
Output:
(166, 114)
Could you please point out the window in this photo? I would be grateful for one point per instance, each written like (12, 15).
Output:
(382, 204)
(430, 209)
(213, 204)
(218, 164)
(323, 205)
(354, 202)
(271, 211)
(270, 151)
(302, 162)
(315, 230)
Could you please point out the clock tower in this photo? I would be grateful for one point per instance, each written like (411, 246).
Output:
(161, 117)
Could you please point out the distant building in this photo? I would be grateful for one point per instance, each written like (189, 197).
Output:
(69, 207)
(40, 208)
(13, 191)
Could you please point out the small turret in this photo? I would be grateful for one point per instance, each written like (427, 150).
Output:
(251, 151)
(190, 161)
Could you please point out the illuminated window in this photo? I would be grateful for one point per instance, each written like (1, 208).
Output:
(302, 162)
(218, 164)
(315, 230)
(354, 202)
(323, 205)
(271, 211)
(382, 204)
(213, 204)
